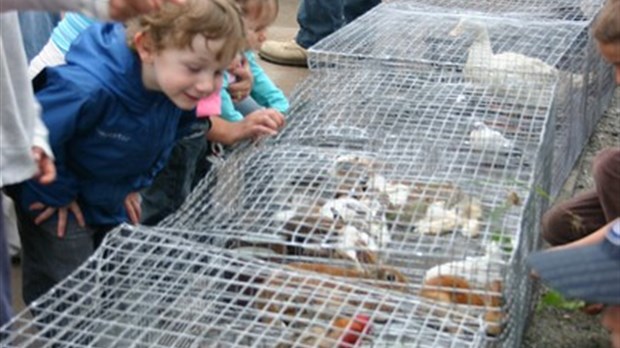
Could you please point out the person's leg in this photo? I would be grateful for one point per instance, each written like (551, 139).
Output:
(317, 19)
(573, 219)
(5, 276)
(587, 212)
(174, 183)
(48, 259)
(606, 173)
(356, 8)
(36, 29)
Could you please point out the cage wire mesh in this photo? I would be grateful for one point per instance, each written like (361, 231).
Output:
(401, 187)
(146, 288)
(481, 47)
(568, 10)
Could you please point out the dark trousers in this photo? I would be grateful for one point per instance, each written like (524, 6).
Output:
(186, 166)
(590, 210)
(319, 18)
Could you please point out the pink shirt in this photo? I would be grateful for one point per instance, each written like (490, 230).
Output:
(210, 105)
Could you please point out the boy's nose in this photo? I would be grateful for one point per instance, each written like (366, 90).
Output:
(206, 86)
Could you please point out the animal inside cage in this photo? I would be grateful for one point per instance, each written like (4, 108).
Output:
(145, 288)
(422, 203)
(486, 49)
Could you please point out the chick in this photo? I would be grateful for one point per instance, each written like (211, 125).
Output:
(485, 138)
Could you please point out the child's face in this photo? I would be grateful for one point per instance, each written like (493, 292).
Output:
(184, 75)
(259, 15)
(611, 53)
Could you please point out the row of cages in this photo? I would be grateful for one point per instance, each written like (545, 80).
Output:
(488, 43)
(391, 211)
(396, 209)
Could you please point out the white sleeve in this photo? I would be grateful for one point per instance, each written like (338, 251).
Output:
(40, 136)
(92, 8)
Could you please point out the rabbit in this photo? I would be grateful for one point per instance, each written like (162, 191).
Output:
(294, 292)
(389, 277)
(451, 289)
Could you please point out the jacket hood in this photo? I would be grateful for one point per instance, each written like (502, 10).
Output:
(102, 51)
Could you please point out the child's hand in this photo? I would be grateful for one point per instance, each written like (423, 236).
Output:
(132, 205)
(62, 215)
(46, 168)
(241, 88)
(262, 123)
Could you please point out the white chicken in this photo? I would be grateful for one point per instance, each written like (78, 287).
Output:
(486, 138)
(367, 216)
(439, 219)
(479, 271)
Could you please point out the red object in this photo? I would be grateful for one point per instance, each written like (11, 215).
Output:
(360, 324)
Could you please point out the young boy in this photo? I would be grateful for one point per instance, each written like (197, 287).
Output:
(187, 164)
(114, 112)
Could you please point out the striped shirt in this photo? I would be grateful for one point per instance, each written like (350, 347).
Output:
(68, 29)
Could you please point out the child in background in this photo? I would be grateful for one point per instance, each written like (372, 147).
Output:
(114, 113)
(257, 16)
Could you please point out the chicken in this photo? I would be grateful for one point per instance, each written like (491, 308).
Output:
(366, 215)
(464, 217)
(479, 271)
(326, 237)
(485, 138)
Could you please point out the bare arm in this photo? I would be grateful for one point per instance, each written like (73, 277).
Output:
(255, 125)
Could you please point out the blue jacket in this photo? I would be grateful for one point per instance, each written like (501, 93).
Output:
(110, 135)
(264, 92)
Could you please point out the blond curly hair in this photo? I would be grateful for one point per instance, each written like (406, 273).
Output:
(176, 26)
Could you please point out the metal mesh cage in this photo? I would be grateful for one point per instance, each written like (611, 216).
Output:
(144, 288)
(570, 10)
(402, 180)
(483, 47)
(409, 211)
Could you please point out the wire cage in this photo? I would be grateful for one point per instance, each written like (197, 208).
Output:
(400, 185)
(568, 10)
(484, 47)
(145, 288)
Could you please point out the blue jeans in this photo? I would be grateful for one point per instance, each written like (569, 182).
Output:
(319, 18)
(186, 166)
(36, 30)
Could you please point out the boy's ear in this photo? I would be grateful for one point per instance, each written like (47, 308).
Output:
(144, 46)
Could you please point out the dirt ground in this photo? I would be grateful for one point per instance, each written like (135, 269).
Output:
(551, 327)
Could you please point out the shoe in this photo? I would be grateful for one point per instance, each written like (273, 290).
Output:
(285, 53)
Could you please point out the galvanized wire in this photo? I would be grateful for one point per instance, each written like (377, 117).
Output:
(490, 44)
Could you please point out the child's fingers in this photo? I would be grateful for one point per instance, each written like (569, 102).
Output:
(77, 212)
(62, 222)
(44, 215)
(36, 206)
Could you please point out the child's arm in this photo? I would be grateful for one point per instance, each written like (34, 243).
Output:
(229, 113)
(264, 91)
(257, 124)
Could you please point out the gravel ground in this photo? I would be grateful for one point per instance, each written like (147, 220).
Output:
(557, 328)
